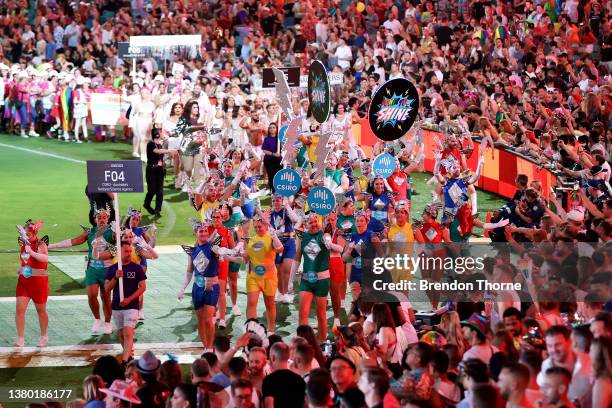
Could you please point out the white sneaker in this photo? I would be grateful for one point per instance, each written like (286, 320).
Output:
(19, 342)
(23, 134)
(236, 310)
(287, 299)
(33, 133)
(77, 141)
(141, 314)
(134, 154)
(278, 297)
(108, 328)
(336, 323)
(43, 341)
(221, 324)
(96, 326)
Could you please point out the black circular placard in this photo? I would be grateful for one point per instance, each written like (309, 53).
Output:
(393, 109)
(319, 93)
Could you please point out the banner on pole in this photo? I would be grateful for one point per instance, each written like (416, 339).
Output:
(114, 176)
(292, 74)
(125, 52)
(105, 108)
(336, 78)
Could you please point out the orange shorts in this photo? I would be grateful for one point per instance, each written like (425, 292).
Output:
(34, 287)
(223, 269)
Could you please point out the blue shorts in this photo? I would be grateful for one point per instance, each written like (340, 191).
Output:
(288, 252)
(355, 275)
(203, 297)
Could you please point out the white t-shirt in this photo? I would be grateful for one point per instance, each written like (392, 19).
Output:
(344, 55)
(393, 25)
(483, 352)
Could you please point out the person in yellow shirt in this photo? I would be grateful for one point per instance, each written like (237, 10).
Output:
(262, 277)
(401, 235)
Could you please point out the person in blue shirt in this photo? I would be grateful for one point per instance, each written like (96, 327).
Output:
(203, 267)
(379, 200)
(359, 241)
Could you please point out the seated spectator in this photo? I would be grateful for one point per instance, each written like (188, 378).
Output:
(282, 387)
(512, 383)
(555, 387)
(472, 373)
(416, 379)
(445, 392)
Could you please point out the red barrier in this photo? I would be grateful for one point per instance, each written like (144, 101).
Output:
(500, 167)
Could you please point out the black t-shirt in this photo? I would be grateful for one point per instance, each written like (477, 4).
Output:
(444, 34)
(132, 276)
(300, 44)
(286, 387)
(154, 159)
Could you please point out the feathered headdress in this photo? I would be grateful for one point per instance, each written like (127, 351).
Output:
(196, 225)
(98, 211)
(132, 212)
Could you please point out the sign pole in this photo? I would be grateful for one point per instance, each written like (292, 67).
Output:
(133, 64)
(118, 235)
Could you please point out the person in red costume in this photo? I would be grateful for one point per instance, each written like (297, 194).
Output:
(33, 282)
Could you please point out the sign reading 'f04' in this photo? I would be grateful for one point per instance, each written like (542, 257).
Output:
(393, 109)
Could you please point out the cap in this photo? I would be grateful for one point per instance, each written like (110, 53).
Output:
(122, 390)
(341, 357)
(575, 215)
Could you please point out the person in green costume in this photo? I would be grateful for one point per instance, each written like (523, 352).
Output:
(97, 239)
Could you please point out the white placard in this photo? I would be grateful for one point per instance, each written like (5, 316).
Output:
(176, 67)
(304, 81)
(336, 78)
(165, 40)
(105, 108)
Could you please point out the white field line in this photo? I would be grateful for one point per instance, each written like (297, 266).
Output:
(56, 156)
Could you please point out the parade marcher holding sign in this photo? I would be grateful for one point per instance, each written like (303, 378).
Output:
(125, 312)
(97, 239)
(33, 282)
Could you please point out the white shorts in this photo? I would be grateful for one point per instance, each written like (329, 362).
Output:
(125, 318)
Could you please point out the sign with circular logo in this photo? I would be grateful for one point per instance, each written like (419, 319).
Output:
(319, 93)
(282, 134)
(393, 109)
(287, 182)
(321, 200)
(383, 165)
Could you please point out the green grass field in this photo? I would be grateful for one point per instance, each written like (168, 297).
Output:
(43, 187)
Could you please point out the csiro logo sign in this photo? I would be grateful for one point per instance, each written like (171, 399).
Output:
(383, 165)
(287, 182)
(321, 200)
(282, 134)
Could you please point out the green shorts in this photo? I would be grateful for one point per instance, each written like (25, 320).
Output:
(320, 288)
(234, 267)
(95, 276)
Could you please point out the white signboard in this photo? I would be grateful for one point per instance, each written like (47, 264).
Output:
(335, 78)
(105, 108)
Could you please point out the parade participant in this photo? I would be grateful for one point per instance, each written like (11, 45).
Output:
(282, 219)
(80, 110)
(227, 241)
(33, 282)
(125, 312)
(168, 126)
(142, 114)
(186, 128)
(346, 224)
(203, 262)
(232, 222)
(315, 247)
(433, 233)
(334, 178)
(97, 239)
(262, 277)
(359, 240)
(20, 99)
(337, 271)
(155, 172)
(271, 149)
(379, 201)
(401, 230)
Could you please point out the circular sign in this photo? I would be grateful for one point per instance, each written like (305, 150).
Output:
(321, 200)
(319, 93)
(282, 134)
(287, 182)
(383, 165)
(393, 109)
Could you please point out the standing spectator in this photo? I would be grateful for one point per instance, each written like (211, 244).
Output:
(153, 393)
(512, 383)
(559, 348)
(374, 383)
(282, 388)
(601, 358)
(555, 387)
(91, 391)
(475, 334)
